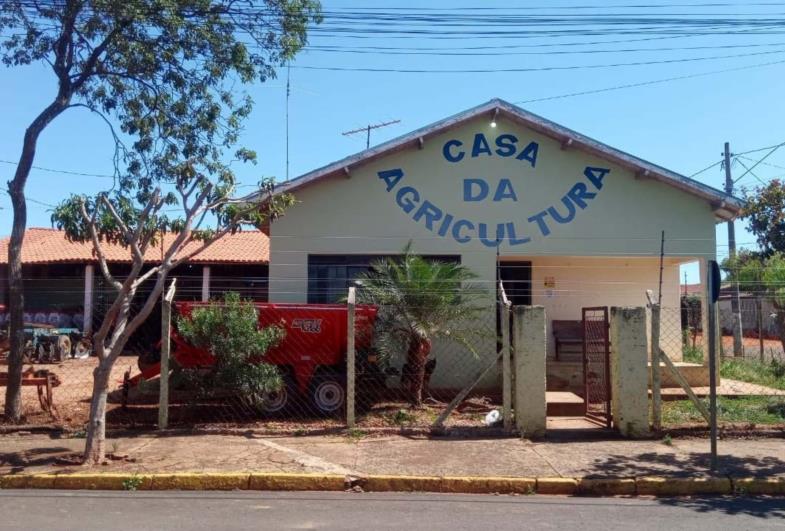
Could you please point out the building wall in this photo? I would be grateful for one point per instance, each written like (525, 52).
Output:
(584, 282)
(419, 195)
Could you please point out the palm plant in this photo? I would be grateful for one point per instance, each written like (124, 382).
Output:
(421, 300)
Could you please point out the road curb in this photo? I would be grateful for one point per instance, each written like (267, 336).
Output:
(641, 486)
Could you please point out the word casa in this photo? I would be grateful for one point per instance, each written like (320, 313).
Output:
(505, 145)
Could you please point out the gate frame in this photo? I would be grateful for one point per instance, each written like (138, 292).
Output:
(608, 420)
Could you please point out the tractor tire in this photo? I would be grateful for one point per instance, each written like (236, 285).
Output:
(328, 393)
(148, 358)
(280, 402)
(82, 349)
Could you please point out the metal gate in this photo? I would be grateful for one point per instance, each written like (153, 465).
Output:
(597, 365)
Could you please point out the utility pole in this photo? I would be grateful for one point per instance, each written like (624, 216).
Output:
(735, 305)
(367, 130)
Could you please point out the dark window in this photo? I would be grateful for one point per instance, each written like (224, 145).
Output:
(516, 278)
(329, 276)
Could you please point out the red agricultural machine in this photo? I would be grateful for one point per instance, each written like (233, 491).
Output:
(311, 358)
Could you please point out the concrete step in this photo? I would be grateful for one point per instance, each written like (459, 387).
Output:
(696, 375)
(563, 404)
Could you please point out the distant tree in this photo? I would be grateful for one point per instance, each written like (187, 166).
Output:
(165, 76)
(421, 300)
(763, 277)
(229, 330)
(765, 214)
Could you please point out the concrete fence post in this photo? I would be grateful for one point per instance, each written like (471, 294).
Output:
(629, 371)
(351, 356)
(506, 347)
(166, 331)
(530, 352)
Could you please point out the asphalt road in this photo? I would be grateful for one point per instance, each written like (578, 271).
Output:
(82, 510)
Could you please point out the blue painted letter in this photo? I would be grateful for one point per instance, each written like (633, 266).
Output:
(504, 191)
(456, 230)
(391, 177)
(529, 153)
(506, 145)
(539, 219)
(469, 190)
(407, 203)
(596, 175)
(449, 155)
(480, 145)
(578, 193)
(570, 211)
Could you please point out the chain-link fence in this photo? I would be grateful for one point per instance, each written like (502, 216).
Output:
(750, 380)
(309, 360)
(395, 386)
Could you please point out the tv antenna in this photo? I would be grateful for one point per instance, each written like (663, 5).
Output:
(367, 130)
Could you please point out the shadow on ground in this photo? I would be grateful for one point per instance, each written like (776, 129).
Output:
(16, 462)
(684, 464)
(760, 507)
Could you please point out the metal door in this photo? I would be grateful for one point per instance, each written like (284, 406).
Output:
(597, 365)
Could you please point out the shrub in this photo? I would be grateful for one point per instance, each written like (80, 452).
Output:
(229, 331)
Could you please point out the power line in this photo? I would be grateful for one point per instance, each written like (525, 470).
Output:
(767, 155)
(651, 82)
(762, 163)
(67, 172)
(707, 168)
(749, 170)
(532, 69)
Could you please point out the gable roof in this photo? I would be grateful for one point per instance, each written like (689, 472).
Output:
(725, 207)
(50, 246)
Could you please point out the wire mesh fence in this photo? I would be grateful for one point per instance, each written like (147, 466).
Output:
(310, 363)
(307, 391)
(750, 380)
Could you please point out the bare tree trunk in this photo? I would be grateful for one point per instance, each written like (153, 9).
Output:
(95, 445)
(419, 349)
(13, 395)
(16, 189)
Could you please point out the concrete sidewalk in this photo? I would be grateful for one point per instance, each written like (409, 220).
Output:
(398, 455)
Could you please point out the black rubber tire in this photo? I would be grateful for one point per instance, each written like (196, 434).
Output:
(328, 393)
(148, 358)
(281, 401)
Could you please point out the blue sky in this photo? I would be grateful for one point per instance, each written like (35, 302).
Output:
(679, 124)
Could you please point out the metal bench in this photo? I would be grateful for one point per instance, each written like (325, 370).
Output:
(567, 333)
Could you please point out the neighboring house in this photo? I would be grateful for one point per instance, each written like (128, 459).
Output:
(64, 286)
(564, 220)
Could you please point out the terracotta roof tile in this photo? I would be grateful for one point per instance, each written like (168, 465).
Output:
(49, 246)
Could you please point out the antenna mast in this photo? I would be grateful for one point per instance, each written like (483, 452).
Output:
(288, 93)
(367, 130)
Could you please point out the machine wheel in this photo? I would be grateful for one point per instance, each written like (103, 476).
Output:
(148, 358)
(276, 403)
(328, 393)
(63, 348)
(82, 349)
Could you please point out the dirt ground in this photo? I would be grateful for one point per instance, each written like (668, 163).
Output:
(72, 402)
(72, 396)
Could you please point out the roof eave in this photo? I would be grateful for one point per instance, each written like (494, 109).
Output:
(731, 206)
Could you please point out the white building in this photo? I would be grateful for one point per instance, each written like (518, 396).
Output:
(566, 221)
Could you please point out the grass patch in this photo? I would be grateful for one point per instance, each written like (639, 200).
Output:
(769, 374)
(751, 409)
(356, 434)
(693, 354)
(132, 483)
(402, 418)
